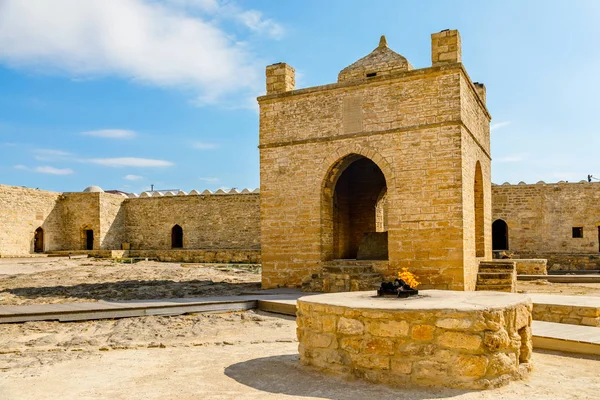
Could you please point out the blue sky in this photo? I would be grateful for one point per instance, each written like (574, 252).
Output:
(128, 93)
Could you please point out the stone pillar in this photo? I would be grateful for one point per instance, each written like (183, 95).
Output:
(281, 78)
(445, 47)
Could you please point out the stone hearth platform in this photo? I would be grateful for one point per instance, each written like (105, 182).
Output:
(470, 340)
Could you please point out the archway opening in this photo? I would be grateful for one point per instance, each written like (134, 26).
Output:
(479, 208)
(177, 237)
(355, 226)
(89, 239)
(499, 235)
(38, 240)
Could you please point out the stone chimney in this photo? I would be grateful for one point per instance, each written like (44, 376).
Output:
(445, 47)
(280, 78)
(480, 87)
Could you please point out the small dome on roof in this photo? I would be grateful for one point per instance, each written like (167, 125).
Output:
(93, 189)
(380, 62)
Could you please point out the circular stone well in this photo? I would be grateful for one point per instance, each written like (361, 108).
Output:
(470, 340)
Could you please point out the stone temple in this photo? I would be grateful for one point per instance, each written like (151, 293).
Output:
(390, 158)
(387, 168)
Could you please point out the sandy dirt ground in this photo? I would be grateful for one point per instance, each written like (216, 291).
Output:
(571, 289)
(60, 280)
(247, 355)
(241, 355)
(29, 281)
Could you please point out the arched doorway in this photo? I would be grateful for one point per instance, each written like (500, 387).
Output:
(499, 235)
(355, 214)
(38, 240)
(177, 237)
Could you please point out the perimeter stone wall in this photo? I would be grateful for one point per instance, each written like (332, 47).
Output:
(223, 221)
(22, 211)
(541, 218)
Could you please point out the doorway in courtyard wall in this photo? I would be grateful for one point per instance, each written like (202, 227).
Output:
(89, 239)
(38, 240)
(177, 237)
(499, 235)
(354, 213)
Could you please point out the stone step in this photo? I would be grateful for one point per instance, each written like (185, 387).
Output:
(348, 269)
(495, 288)
(496, 267)
(494, 275)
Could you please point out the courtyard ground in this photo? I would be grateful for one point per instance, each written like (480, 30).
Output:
(249, 355)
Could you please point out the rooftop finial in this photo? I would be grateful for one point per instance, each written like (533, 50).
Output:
(383, 41)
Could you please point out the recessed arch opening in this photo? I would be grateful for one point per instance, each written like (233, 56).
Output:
(499, 235)
(38, 240)
(355, 210)
(177, 237)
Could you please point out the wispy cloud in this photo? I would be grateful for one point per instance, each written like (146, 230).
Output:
(133, 177)
(209, 180)
(129, 162)
(499, 125)
(8, 144)
(20, 166)
(173, 43)
(111, 133)
(53, 171)
(204, 146)
(511, 158)
(50, 154)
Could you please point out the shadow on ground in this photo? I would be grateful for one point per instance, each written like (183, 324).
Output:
(284, 375)
(135, 290)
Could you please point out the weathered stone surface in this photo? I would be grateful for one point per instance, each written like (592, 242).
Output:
(388, 328)
(349, 326)
(385, 341)
(458, 340)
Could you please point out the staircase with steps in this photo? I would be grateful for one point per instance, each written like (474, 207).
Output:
(344, 276)
(497, 275)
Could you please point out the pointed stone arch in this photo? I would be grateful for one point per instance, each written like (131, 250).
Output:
(354, 183)
(176, 237)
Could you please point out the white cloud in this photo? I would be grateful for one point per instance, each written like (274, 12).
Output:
(129, 162)
(174, 43)
(204, 146)
(53, 171)
(19, 166)
(499, 125)
(50, 154)
(111, 133)
(133, 177)
(209, 180)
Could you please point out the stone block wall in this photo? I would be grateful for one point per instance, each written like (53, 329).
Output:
(541, 217)
(224, 221)
(567, 314)
(22, 211)
(531, 266)
(445, 348)
(566, 261)
(80, 212)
